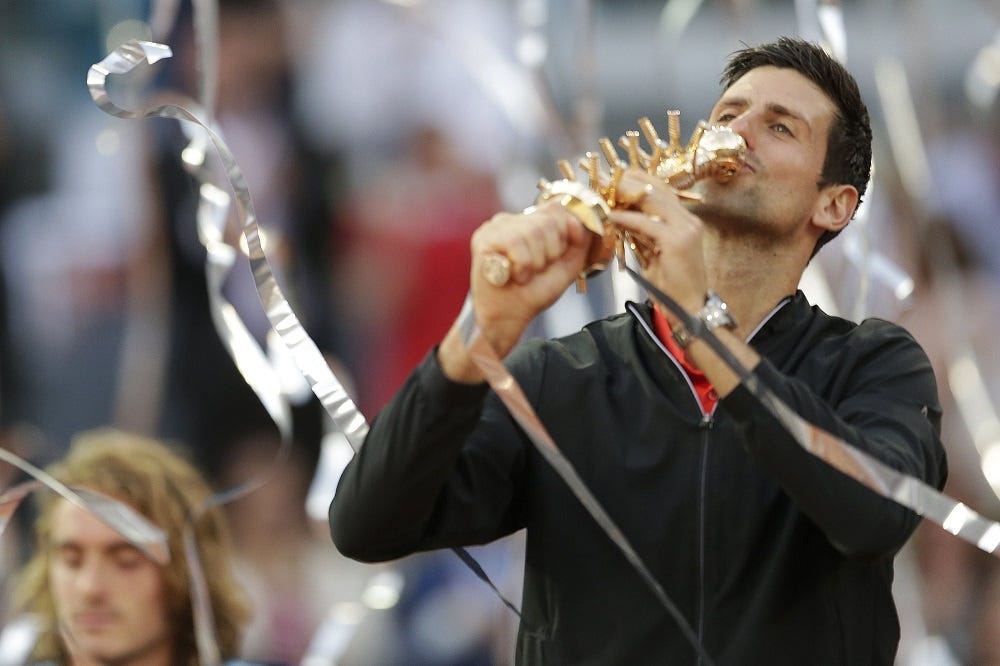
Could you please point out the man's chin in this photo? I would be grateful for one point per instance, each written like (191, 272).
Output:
(109, 650)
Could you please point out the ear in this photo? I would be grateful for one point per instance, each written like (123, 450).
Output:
(835, 207)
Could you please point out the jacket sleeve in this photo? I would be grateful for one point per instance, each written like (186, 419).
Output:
(886, 406)
(438, 468)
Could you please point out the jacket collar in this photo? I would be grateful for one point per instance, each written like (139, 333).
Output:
(789, 311)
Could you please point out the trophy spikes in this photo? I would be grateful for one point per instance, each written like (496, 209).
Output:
(714, 151)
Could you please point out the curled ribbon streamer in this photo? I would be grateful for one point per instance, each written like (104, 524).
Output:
(213, 207)
(252, 362)
(163, 17)
(823, 21)
(509, 391)
(914, 494)
(977, 410)
(953, 516)
(132, 526)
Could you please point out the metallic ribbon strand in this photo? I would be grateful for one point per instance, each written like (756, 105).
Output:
(978, 412)
(510, 392)
(132, 526)
(213, 206)
(953, 516)
(249, 358)
(252, 362)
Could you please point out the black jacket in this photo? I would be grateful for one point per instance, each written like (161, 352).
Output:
(773, 556)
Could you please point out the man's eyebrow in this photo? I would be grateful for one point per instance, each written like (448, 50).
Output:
(115, 547)
(772, 107)
(121, 547)
(785, 111)
(739, 102)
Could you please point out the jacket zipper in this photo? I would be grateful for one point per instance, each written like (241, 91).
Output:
(707, 422)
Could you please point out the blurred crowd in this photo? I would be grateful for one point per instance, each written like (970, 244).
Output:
(375, 136)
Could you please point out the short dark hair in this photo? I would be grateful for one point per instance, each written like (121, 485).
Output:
(849, 143)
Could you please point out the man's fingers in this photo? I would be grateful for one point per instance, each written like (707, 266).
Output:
(525, 244)
(638, 222)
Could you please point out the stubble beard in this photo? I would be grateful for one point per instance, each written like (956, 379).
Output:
(726, 207)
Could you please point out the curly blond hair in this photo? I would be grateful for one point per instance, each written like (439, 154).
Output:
(156, 480)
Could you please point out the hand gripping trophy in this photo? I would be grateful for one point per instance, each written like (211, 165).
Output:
(714, 151)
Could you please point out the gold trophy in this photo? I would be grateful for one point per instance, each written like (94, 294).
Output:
(714, 151)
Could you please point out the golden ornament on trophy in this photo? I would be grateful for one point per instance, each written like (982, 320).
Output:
(714, 151)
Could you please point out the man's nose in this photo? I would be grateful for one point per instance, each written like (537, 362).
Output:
(743, 125)
(92, 578)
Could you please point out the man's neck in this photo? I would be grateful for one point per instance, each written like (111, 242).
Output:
(752, 278)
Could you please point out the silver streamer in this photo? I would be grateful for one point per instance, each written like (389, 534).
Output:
(342, 621)
(966, 383)
(512, 396)
(213, 207)
(953, 516)
(132, 526)
(676, 15)
(501, 80)
(822, 21)
(249, 358)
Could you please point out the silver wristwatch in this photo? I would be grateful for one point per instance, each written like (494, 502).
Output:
(714, 314)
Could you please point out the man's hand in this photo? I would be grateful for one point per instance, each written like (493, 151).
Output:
(677, 265)
(547, 248)
(678, 268)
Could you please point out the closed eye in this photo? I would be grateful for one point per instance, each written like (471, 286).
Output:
(69, 556)
(127, 556)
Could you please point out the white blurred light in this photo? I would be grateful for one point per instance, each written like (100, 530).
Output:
(991, 465)
(348, 612)
(982, 80)
(990, 539)
(532, 13)
(18, 639)
(383, 590)
(957, 519)
(108, 142)
(126, 30)
(261, 234)
(532, 49)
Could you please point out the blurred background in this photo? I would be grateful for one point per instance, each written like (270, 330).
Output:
(375, 136)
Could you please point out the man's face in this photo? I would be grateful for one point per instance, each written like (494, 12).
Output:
(109, 597)
(785, 119)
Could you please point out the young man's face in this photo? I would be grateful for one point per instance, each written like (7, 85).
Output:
(110, 598)
(785, 119)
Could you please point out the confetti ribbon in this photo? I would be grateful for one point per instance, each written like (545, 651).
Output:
(955, 517)
(213, 206)
(250, 359)
(512, 395)
(132, 526)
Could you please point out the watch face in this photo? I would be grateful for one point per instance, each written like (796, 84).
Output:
(716, 312)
